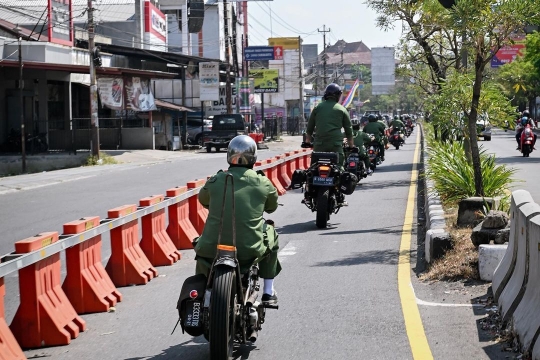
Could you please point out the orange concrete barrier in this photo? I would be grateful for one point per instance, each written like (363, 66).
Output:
(128, 265)
(291, 164)
(197, 213)
(87, 284)
(45, 316)
(156, 243)
(283, 176)
(9, 347)
(180, 229)
(299, 161)
(272, 174)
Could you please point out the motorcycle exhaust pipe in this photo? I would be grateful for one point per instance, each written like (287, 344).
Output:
(254, 335)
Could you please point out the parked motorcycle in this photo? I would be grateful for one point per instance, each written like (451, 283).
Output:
(325, 184)
(223, 307)
(396, 139)
(527, 141)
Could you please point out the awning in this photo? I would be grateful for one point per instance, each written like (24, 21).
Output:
(171, 106)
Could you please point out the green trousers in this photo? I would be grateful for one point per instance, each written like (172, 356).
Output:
(269, 266)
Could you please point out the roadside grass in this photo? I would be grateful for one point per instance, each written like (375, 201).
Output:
(460, 262)
(104, 159)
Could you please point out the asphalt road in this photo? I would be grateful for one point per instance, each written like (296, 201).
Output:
(338, 291)
(503, 145)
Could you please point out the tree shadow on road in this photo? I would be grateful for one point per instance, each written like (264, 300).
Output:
(382, 184)
(394, 168)
(385, 257)
(517, 160)
(389, 230)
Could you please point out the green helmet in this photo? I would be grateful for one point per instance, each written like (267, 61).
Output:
(396, 117)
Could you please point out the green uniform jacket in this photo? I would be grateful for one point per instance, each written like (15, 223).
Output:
(254, 194)
(328, 118)
(375, 128)
(361, 139)
(398, 125)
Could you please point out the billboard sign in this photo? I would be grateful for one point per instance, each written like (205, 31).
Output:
(111, 92)
(383, 66)
(209, 80)
(286, 43)
(510, 52)
(60, 29)
(261, 53)
(155, 27)
(265, 80)
(139, 95)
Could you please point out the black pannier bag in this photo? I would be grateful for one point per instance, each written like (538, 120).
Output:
(298, 179)
(191, 309)
(347, 183)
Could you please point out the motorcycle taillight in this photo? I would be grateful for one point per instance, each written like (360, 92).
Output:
(352, 164)
(324, 171)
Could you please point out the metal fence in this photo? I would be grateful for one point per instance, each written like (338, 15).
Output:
(61, 135)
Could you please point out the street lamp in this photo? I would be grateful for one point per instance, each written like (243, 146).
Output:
(21, 102)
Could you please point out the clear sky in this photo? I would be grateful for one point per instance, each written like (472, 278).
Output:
(350, 20)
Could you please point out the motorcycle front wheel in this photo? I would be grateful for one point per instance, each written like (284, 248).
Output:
(322, 208)
(222, 313)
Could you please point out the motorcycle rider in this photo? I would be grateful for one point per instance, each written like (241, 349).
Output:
(376, 129)
(360, 139)
(328, 118)
(525, 120)
(256, 240)
(398, 126)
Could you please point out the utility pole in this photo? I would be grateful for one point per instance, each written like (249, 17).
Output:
(301, 100)
(94, 121)
(21, 105)
(324, 31)
(228, 90)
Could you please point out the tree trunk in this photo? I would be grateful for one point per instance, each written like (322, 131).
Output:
(479, 66)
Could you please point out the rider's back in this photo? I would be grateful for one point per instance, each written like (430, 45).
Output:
(254, 194)
(329, 118)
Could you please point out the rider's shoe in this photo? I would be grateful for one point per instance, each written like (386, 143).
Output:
(269, 299)
(369, 172)
(382, 158)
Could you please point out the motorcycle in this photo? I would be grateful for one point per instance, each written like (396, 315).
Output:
(396, 139)
(373, 151)
(223, 307)
(527, 140)
(324, 185)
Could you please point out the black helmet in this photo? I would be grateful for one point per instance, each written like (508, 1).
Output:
(372, 118)
(332, 91)
(526, 113)
(396, 117)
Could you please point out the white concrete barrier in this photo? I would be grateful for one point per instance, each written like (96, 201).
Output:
(504, 271)
(526, 317)
(515, 288)
(489, 257)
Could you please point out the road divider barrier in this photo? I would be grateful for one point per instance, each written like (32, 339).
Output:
(515, 281)
(45, 316)
(180, 228)
(156, 243)
(128, 264)
(87, 284)
(9, 347)
(197, 212)
(48, 314)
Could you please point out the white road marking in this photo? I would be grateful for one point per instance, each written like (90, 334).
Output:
(288, 250)
(428, 303)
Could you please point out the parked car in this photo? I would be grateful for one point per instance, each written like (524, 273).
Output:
(483, 127)
(194, 131)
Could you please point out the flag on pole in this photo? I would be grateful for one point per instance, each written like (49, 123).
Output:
(347, 102)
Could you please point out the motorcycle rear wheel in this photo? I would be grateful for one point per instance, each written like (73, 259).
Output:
(322, 208)
(222, 313)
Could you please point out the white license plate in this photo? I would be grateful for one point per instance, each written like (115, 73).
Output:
(328, 181)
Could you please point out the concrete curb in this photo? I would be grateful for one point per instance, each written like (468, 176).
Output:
(437, 239)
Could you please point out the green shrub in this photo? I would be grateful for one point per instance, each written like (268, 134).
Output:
(453, 175)
(104, 159)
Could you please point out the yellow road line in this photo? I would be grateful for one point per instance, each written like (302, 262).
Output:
(413, 322)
